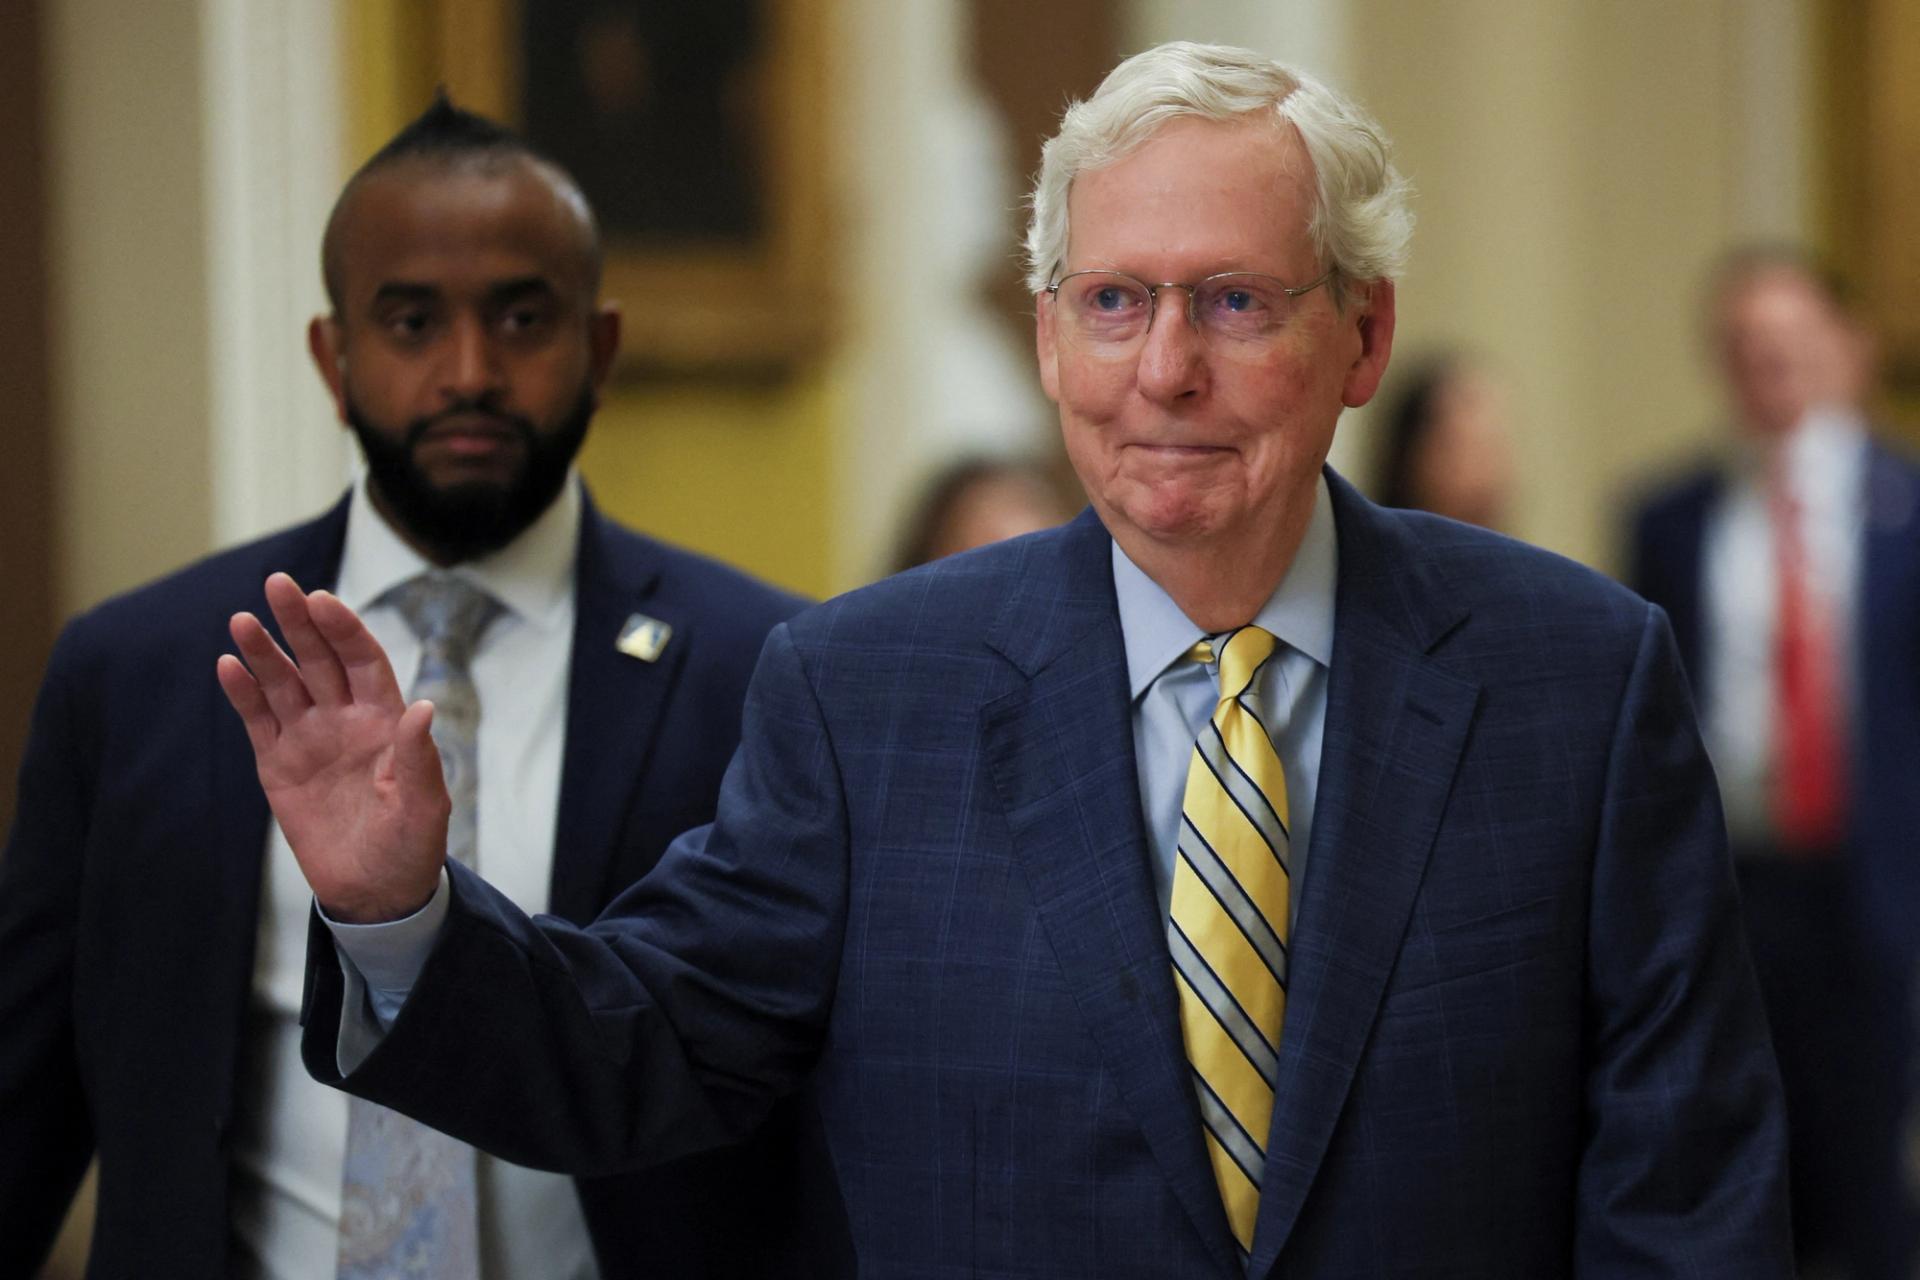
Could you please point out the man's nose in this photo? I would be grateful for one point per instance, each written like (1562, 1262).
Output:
(1173, 356)
(472, 368)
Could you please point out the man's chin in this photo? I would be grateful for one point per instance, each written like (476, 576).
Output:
(476, 507)
(467, 459)
(447, 473)
(459, 493)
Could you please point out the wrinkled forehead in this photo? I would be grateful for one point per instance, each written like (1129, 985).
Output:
(437, 220)
(1245, 184)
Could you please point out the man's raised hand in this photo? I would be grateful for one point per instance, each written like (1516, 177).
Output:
(349, 768)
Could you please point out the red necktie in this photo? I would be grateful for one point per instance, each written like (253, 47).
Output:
(1809, 794)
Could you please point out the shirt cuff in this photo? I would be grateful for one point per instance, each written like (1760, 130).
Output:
(387, 958)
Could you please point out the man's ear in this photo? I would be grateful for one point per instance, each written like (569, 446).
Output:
(1375, 320)
(1044, 337)
(324, 344)
(603, 341)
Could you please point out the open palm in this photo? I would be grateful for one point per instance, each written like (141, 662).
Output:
(349, 768)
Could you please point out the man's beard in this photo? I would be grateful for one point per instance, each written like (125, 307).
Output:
(461, 521)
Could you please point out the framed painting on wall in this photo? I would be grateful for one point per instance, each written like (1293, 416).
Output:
(698, 131)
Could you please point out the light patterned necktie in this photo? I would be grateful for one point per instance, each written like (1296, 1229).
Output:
(408, 1197)
(1227, 926)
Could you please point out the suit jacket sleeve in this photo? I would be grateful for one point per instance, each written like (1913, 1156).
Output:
(668, 1025)
(1683, 1165)
(48, 1138)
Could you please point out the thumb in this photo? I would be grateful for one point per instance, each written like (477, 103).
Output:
(416, 761)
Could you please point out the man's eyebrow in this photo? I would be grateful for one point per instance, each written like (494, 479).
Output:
(405, 291)
(519, 287)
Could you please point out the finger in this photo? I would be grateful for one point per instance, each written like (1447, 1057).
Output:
(368, 673)
(278, 679)
(319, 666)
(243, 692)
(416, 761)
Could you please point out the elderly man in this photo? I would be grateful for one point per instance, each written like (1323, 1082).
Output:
(1239, 880)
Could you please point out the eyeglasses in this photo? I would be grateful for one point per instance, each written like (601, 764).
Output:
(1110, 313)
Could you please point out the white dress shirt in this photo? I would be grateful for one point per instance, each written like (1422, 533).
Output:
(290, 1135)
(1823, 465)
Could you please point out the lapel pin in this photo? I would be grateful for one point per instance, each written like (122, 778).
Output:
(643, 637)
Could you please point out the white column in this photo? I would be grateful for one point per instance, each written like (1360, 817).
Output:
(927, 373)
(273, 123)
(1578, 167)
(1774, 103)
(193, 156)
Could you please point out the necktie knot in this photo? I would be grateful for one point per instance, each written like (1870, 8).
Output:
(446, 613)
(1240, 652)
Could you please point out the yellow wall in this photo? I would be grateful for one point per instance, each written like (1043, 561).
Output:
(387, 45)
(743, 475)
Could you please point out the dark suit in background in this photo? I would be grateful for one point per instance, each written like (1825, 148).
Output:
(1522, 1039)
(130, 886)
(1834, 935)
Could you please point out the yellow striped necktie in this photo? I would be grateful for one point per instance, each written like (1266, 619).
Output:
(1227, 926)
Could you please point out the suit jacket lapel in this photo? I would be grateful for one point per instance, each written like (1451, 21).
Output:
(1060, 750)
(613, 716)
(1396, 725)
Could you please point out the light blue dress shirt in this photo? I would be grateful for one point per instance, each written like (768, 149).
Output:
(1174, 697)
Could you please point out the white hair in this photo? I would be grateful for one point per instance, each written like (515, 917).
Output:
(1361, 221)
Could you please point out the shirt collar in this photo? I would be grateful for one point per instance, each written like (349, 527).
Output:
(531, 576)
(1826, 449)
(1299, 613)
(1827, 436)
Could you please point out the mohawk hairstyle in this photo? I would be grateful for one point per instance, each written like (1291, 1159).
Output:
(445, 130)
(445, 133)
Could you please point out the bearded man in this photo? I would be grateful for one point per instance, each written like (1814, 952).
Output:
(152, 924)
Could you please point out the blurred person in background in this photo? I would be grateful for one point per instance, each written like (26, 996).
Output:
(1790, 566)
(975, 501)
(153, 927)
(1447, 445)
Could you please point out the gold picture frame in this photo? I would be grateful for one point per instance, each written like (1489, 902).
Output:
(700, 133)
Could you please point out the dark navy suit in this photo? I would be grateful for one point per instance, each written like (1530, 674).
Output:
(130, 886)
(1522, 1039)
(1834, 936)
(1668, 535)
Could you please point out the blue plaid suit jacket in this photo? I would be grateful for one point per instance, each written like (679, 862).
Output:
(1522, 1039)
